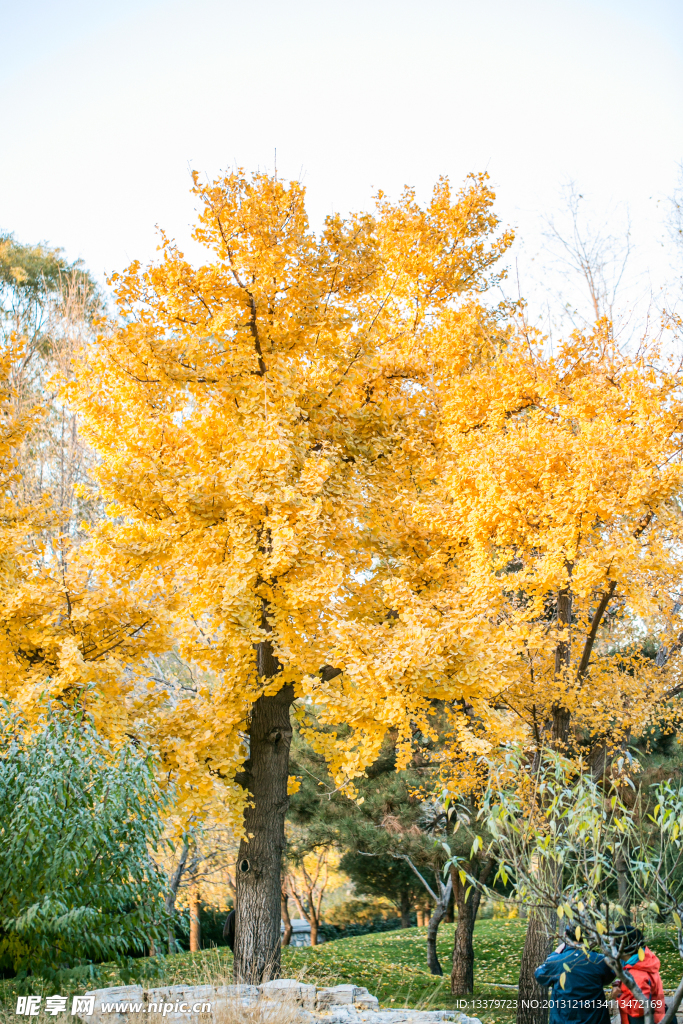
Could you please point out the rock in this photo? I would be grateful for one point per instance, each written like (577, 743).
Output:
(338, 995)
(288, 990)
(346, 995)
(120, 994)
(339, 1004)
(175, 1003)
(245, 994)
(364, 1001)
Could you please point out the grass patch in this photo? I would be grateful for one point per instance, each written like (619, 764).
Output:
(391, 965)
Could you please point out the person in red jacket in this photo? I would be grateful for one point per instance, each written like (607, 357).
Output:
(646, 975)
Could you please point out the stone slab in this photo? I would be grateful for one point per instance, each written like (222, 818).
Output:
(290, 991)
(339, 1004)
(354, 1015)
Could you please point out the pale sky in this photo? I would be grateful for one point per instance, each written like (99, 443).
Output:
(107, 105)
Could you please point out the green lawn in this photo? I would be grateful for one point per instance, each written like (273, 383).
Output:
(392, 966)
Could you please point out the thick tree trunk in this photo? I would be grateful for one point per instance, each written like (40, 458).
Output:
(286, 920)
(314, 930)
(462, 975)
(259, 862)
(433, 927)
(405, 910)
(537, 946)
(195, 925)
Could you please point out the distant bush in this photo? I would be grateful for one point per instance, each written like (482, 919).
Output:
(376, 924)
(211, 922)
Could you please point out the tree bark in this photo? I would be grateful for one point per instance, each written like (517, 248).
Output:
(405, 909)
(537, 946)
(462, 975)
(435, 920)
(195, 924)
(286, 920)
(560, 714)
(259, 862)
(540, 929)
(314, 930)
(449, 916)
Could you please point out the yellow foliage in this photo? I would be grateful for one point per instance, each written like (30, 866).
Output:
(560, 478)
(62, 637)
(264, 423)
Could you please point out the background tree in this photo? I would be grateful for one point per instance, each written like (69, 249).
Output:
(307, 879)
(47, 310)
(559, 835)
(68, 633)
(321, 814)
(384, 876)
(591, 259)
(391, 836)
(79, 825)
(562, 477)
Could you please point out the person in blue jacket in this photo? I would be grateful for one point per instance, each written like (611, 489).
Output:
(582, 998)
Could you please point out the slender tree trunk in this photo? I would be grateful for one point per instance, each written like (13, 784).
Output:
(173, 892)
(537, 946)
(405, 910)
(286, 920)
(259, 862)
(624, 889)
(542, 926)
(435, 920)
(309, 913)
(462, 975)
(560, 715)
(449, 916)
(195, 924)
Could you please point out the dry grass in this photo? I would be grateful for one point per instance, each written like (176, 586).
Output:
(260, 1013)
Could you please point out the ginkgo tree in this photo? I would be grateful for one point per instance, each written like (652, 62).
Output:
(560, 478)
(257, 419)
